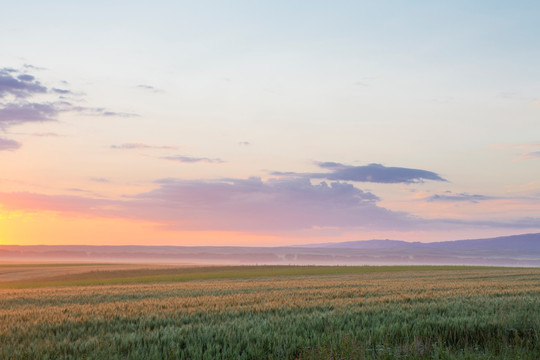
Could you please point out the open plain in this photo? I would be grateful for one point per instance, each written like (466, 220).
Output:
(272, 312)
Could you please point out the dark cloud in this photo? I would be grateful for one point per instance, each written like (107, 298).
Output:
(139, 145)
(19, 86)
(20, 113)
(7, 144)
(191, 159)
(461, 197)
(375, 173)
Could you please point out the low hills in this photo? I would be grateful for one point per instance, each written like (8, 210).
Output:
(517, 250)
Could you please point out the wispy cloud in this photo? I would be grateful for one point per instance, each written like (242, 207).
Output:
(62, 91)
(140, 145)
(191, 159)
(527, 155)
(10, 145)
(460, 197)
(530, 155)
(46, 134)
(375, 173)
(525, 145)
(99, 179)
(149, 88)
(20, 104)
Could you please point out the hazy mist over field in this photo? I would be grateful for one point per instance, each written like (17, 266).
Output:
(519, 250)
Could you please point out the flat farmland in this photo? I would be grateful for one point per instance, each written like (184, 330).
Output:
(270, 312)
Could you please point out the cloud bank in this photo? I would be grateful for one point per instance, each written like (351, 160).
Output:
(276, 206)
(251, 204)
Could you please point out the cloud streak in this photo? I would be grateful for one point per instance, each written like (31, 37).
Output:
(530, 155)
(191, 159)
(461, 197)
(139, 145)
(375, 173)
(149, 88)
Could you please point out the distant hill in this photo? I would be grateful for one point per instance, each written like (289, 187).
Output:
(523, 242)
(517, 250)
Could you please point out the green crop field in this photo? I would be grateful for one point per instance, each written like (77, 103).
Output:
(272, 312)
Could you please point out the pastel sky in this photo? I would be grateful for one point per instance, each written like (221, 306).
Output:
(268, 122)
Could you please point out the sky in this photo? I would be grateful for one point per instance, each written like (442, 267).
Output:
(268, 123)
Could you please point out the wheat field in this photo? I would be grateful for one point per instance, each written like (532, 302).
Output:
(273, 313)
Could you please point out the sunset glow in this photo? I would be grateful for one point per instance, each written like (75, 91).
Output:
(182, 123)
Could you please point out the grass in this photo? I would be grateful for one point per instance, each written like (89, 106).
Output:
(180, 274)
(270, 312)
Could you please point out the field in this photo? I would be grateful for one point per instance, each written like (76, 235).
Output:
(268, 312)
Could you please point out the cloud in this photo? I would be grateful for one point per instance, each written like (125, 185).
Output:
(19, 105)
(530, 155)
(231, 204)
(66, 204)
(252, 205)
(33, 67)
(113, 113)
(138, 145)
(99, 179)
(7, 144)
(149, 88)
(20, 113)
(18, 86)
(46, 134)
(191, 159)
(375, 173)
(526, 145)
(62, 91)
(461, 197)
